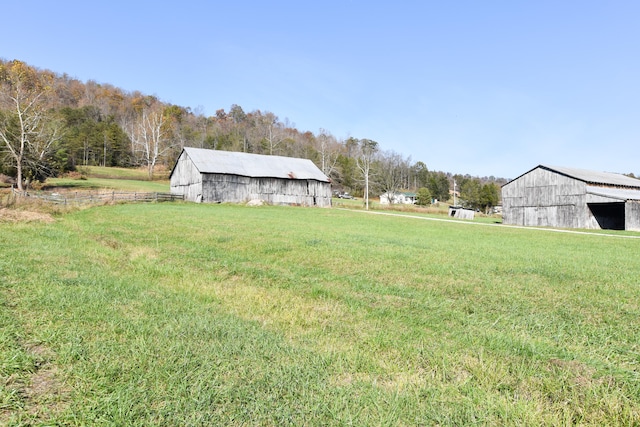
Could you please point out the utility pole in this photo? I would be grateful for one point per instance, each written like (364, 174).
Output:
(454, 191)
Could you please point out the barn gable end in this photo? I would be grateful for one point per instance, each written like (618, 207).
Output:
(186, 179)
(572, 198)
(222, 176)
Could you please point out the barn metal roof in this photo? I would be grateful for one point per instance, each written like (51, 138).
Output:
(592, 177)
(622, 194)
(253, 165)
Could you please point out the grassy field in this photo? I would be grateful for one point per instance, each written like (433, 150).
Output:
(96, 178)
(190, 315)
(140, 174)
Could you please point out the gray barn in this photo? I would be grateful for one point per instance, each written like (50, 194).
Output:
(572, 198)
(202, 175)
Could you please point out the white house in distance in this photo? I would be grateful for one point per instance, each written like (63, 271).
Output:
(398, 198)
(213, 176)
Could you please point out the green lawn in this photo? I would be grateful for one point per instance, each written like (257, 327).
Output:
(185, 314)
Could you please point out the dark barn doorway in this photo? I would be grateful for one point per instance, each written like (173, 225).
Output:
(610, 216)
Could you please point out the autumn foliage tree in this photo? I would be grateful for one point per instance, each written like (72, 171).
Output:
(107, 126)
(28, 131)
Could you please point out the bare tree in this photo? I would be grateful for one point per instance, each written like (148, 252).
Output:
(273, 131)
(366, 155)
(329, 150)
(392, 171)
(148, 136)
(29, 134)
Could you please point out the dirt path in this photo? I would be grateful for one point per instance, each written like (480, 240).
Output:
(552, 230)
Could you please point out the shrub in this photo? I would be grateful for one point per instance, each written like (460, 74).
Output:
(5, 179)
(423, 197)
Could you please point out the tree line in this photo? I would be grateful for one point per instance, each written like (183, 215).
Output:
(52, 123)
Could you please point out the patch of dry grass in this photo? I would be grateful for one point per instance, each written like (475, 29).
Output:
(13, 215)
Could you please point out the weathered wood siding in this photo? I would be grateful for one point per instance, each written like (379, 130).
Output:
(548, 199)
(193, 185)
(632, 215)
(186, 180)
(220, 188)
(461, 213)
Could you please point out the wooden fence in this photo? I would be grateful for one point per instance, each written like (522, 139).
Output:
(79, 198)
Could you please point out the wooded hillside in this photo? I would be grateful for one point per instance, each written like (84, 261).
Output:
(51, 123)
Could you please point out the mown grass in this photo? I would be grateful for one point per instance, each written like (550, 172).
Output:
(109, 178)
(141, 174)
(184, 314)
(73, 184)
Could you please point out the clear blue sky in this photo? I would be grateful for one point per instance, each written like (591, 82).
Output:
(477, 87)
